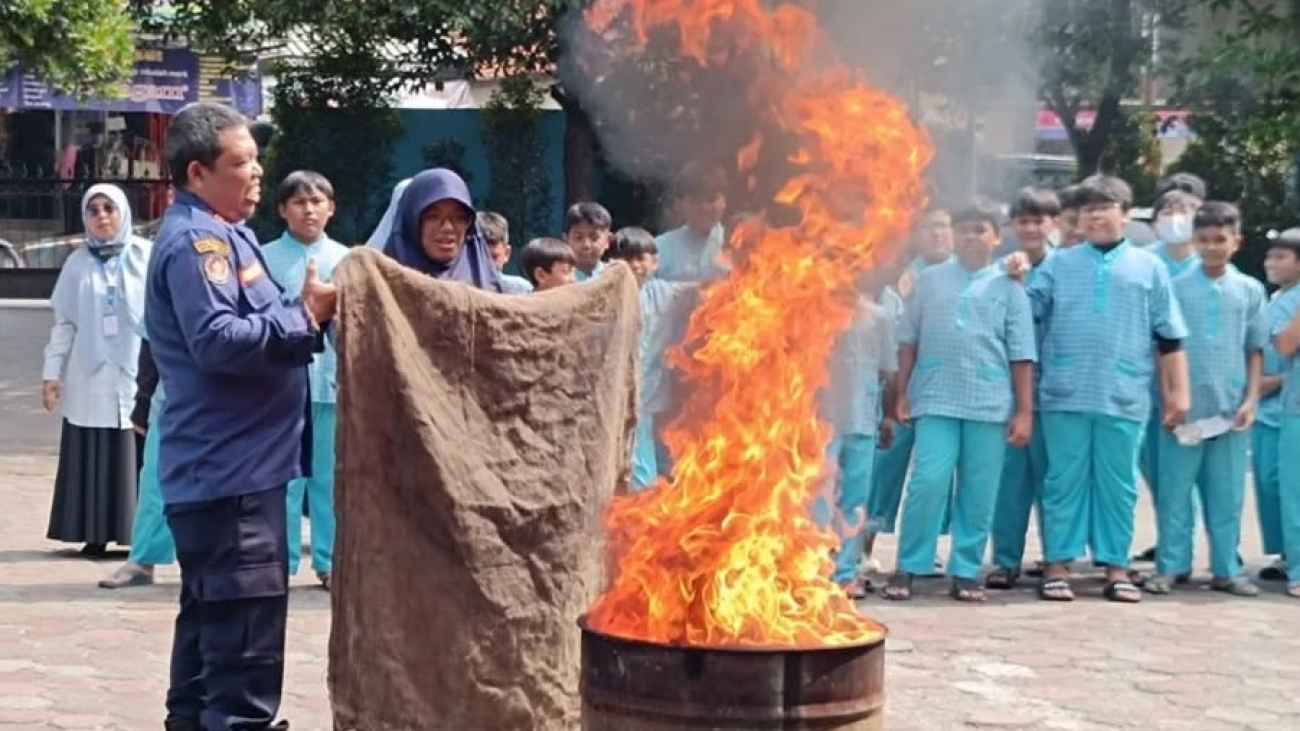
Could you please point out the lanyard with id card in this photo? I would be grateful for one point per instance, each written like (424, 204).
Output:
(108, 322)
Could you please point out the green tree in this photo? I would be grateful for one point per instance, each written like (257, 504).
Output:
(1093, 54)
(77, 46)
(1243, 85)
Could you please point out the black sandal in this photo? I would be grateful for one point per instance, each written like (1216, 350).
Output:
(1122, 591)
(967, 590)
(899, 588)
(1001, 578)
(1055, 590)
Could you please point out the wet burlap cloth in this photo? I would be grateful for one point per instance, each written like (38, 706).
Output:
(479, 437)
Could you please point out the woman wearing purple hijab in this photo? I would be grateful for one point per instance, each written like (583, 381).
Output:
(435, 232)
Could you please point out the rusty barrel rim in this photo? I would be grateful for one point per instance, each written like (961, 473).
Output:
(586, 628)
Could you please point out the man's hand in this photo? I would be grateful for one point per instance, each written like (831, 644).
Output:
(1016, 265)
(885, 434)
(1245, 417)
(50, 392)
(320, 298)
(138, 429)
(1020, 430)
(1175, 413)
(902, 409)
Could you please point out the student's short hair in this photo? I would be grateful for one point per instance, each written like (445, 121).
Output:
(702, 180)
(592, 214)
(979, 211)
(1288, 239)
(495, 227)
(1069, 197)
(1186, 182)
(302, 181)
(1105, 189)
(1218, 213)
(633, 242)
(1035, 202)
(1171, 198)
(544, 253)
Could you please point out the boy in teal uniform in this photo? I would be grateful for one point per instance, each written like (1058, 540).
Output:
(1174, 211)
(1282, 267)
(1225, 314)
(496, 232)
(1107, 308)
(933, 246)
(1020, 491)
(865, 359)
(548, 263)
(305, 200)
(966, 376)
(587, 231)
(1286, 339)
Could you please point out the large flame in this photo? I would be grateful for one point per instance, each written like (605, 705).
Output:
(729, 554)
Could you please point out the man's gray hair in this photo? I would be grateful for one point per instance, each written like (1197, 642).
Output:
(194, 136)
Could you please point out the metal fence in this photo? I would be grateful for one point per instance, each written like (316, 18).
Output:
(40, 217)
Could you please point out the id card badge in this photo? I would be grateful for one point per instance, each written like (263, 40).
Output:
(110, 326)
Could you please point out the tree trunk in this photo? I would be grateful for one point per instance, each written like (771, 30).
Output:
(579, 150)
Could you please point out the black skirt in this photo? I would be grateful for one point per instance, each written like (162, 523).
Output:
(95, 490)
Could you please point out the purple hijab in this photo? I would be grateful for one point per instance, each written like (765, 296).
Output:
(473, 265)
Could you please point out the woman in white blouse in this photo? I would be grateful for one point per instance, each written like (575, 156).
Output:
(89, 374)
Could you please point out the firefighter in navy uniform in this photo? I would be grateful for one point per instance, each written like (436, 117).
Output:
(231, 350)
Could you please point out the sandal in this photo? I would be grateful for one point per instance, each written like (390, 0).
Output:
(1136, 578)
(899, 588)
(1055, 590)
(1147, 556)
(1002, 578)
(1159, 585)
(1275, 571)
(1122, 591)
(1293, 590)
(324, 578)
(967, 590)
(854, 588)
(126, 577)
(1236, 586)
(1035, 571)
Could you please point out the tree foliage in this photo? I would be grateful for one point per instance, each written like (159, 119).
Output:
(1092, 56)
(77, 46)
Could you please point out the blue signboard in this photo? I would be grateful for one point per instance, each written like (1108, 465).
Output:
(164, 80)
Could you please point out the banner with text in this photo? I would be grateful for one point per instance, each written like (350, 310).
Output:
(164, 80)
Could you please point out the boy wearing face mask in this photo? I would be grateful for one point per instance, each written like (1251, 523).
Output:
(1174, 211)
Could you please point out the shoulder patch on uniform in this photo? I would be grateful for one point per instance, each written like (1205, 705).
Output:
(216, 268)
(250, 273)
(212, 246)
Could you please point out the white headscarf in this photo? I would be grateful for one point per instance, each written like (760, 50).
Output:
(379, 238)
(132, 251)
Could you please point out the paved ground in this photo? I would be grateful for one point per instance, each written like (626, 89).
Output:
(76, 657)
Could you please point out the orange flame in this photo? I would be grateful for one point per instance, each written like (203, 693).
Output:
(729, 554)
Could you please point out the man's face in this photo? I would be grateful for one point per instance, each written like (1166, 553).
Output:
(1216, 245)
(560, 274)
(644, 267)
(232, 187)
(306, 214)
(1103, 223)
(500, 251)
(976, 241)
(588, 243)
(934, 237)
(702, 213)
(1282, 267)
(1032, 232)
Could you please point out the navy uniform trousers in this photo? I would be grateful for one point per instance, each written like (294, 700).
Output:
(227, 665)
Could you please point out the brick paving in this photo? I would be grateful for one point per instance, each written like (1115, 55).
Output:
(73, 656)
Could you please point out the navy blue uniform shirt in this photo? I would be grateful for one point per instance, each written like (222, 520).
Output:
(232, 352)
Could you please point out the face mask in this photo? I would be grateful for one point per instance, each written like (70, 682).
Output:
(1175, 229)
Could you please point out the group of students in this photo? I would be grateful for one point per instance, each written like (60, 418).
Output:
(986, 379)
(1042, 374)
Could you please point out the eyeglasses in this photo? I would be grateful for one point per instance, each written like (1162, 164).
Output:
(107, 209)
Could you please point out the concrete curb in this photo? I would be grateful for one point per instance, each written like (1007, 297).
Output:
(24, 304)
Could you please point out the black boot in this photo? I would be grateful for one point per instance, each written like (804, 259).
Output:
(181, 724)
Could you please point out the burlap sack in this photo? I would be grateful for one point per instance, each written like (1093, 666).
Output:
(479, 437)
